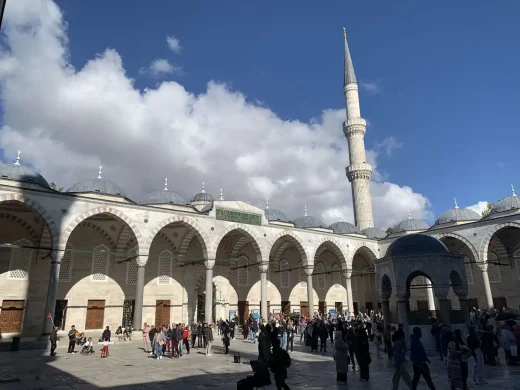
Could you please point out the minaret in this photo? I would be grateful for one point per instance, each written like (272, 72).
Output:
(359, 171)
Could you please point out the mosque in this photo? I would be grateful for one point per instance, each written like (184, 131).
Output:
(92, 257)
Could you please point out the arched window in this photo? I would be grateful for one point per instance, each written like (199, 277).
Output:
(165, 267)
(320, 270)
(301, 275)
(284, 274)
(66, 264)
(468, 269)
(493, 268)
(366, 282)
(243, 271)
(100, 257)
(336, 276)
(20, 262)
(131, 267)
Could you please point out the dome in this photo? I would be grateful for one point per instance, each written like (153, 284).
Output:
(99, 185)
(202, 197)
(416, 244)
(375, 233)
(507, 204)
(164, 197)
(457, 215)
(308, 222)
(410, 225)
(21, 173)
(344, 228)
(274, 215)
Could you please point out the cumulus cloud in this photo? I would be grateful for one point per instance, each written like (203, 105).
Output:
(94, 116)
(373, 88)
(479, 207)
(389, 145)
(174, 44)
(159, 67)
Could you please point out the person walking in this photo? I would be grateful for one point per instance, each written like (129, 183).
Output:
(53, 338)
(420, 360)
(475, 346)
(399, 356)
(363, 353)
(72, 339)
(341, 357)
(280, 362)
(209, 338)
(146, 337)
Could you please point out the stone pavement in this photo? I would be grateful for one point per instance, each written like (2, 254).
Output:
(128, 367)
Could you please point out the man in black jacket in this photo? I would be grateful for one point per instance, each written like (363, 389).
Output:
(72, 339)
(209, 338)
(54, 340)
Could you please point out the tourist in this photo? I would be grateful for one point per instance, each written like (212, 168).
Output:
(159, 341)
(280, 362)
(225, 337)
(104, 349)
(106, 334)
(445, 337)
(324, 335)
(174, 341)
(315, 336)
(341, 357)
(475, 346)
(387, 340)
(436, 333)
(419, 359)
(509, 344)
(201, 335)
(88, 347)
(194, 333)
(186, 337)
(119, 333)
(399, 356)
(264, 343)
(127, 332)
(72, 339)
(152, 332)
(146, 337)
(245, 330)
(53, 338)
(453, 363)
(378, 338)
(290, 337)
(363, 353)
(209, 338)
(352, 346)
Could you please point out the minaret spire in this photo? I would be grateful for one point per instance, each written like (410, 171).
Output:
(354, 127)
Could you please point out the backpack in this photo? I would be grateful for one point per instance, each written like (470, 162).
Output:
(186, 333)
(287, 358)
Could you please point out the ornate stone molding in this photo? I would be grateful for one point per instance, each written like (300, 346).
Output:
(357, 175)
(141, 261)
(309, 269)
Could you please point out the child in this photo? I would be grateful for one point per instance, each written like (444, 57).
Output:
(119, 334)
(104, 350)
(87, 347)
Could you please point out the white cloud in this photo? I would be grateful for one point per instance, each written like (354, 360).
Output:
(94, 115)
(161, 66)
(174, 44)
(389, 145)
(479, 207)
(373, 88)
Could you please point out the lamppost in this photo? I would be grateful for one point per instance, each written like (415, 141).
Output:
(2, 7)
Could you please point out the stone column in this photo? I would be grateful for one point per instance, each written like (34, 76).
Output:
(487, 286)
(444, 307)
(310, 291)
(263, 290)
(350, 298)
(385, 306)
(52, 293)
(402, 307)
(137, 321)
(431, 297)
(464, 306)
(209, 293)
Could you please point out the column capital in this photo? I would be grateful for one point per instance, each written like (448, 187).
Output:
(209, 264)
(141, 261)
(483, 267)
(385, 296)
(263, 267)
(347, 274)
(309, 269)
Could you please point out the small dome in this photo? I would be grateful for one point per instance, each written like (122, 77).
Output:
(164, 197)
(410, 225)
(207, 208)
(101, 186)
(457, 215)
(344, 228)
(375, 233)
(416, 244)
(507, 204)
(21, 173)
(275, 215)
(202, 198)
(308, 222)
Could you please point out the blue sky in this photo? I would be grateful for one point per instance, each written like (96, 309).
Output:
(441, 77)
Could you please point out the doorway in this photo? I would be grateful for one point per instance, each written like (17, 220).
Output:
(11, 316)
(286, 308)
(422, 305)
(339, 307)
(304, 308)
(500, 303)
(60, 314)
(162, 312)
(322, 307)
(243, 311)
(128, 312)
(95, 314)
(356, 308)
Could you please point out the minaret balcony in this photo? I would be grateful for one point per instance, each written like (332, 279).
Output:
(354, 127)
(359, 171)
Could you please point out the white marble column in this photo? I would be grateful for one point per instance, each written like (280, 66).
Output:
(402, 307)
(431, 296)
(52, 293)
(487, 286)
(310, 291)
(137, 322)
(348, 287)
(263, 291)
(208, 307)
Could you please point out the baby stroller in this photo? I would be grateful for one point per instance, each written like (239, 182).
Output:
(260, 377)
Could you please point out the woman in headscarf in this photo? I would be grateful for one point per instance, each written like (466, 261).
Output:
(341, 358)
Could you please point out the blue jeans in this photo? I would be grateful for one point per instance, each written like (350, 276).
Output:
(283, 341)
(253, 335)
(158, 350)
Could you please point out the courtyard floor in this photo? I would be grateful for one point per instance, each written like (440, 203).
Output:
(129, 367)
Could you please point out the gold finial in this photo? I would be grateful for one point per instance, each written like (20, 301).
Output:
(344, 33)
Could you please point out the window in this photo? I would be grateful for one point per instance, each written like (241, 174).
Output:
(131, 267)
(243, 271)
(100, 263)
(284, 274)
(469, 270)
(336, 276)
(366, 282)
(493, 268)
(165, 267)
(320, 270)
(301, 275)
(20, 260)
(66, 264)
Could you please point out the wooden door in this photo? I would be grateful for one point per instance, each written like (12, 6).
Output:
(473, 303)
(422, 305)
(369, 306)
(339, 307)
(95, 315)
(356, 308)
(286, 308)
(322, 307)
(162, 312)
(499, 303)
(243, 311)
(268, 308)
(304, 308)
(11, 316)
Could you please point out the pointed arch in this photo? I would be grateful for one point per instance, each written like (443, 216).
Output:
(245, 230)
(293, 239)
(331, 243)
(461, 239)
(484, 244)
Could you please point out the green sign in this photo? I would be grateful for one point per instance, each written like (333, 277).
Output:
(238, 217)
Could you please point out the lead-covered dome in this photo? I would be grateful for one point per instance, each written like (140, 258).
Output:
(202, 198)
(21, 173)
(307, 222)
(165, 196)
(410, 225)
(99, 185)
(344, 228)
(507, 204)
(416, 244)
(374, 233)
(457, 214)
(274, 214)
